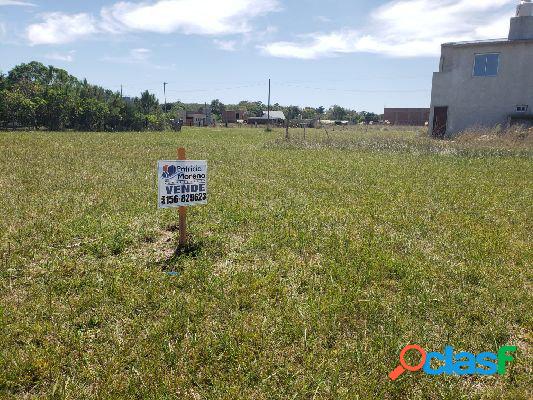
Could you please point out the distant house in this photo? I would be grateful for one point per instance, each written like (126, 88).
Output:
(485, 83)
(407, 116)
(202, 117)
(232, 116)
(276, 118)
(196, 119)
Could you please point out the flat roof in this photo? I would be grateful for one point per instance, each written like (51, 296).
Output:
(488, 41)
(400, 109)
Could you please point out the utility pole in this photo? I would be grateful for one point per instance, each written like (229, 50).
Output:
(165, 93)
(121, 92)
(268, 109)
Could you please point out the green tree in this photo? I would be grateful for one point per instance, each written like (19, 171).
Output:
(148, 103)
(254, 109)
(218, 108)
(337, 113)
(91, 114)
(115, 117)
(156, 122)
(320, 111)
(32, 72)
(3, 107)
(309, 113)
(367, 116)
(18, 110)
(292, 112)
(133, 119)
(59, 108)
(353, 116)
(3, 81)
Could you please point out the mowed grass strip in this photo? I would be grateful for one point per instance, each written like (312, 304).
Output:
(313, 265)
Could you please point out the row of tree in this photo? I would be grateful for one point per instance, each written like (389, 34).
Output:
(336, 113)
(36, 96)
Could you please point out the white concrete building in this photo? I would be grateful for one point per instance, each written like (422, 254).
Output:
(485, 83)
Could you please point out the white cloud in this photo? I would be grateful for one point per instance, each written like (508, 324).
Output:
(260, 36)
(59, 28)
(407, 28)
(226, 45)
(497, 28)
(207, 17)
(320, 45)
(16, 3)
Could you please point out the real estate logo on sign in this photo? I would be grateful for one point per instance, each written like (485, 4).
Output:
(182, 183)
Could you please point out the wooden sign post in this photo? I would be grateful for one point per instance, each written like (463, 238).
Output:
(182, 183)
(183, 209)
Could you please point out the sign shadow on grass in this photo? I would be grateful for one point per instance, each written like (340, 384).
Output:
(173, 265)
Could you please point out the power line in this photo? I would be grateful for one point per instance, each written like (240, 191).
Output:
(359, 90)
(211, 89)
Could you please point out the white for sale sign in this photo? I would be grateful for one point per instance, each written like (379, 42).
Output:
(182, 183)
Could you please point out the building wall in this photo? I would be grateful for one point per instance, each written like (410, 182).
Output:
(232, 116)
(521, 28)
(407, 116)
(482, 101)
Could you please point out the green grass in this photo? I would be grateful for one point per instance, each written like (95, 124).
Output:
(313, 265)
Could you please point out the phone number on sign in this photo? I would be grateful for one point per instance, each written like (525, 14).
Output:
(184, 198)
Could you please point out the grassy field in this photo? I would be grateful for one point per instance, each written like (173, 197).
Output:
(314, 264)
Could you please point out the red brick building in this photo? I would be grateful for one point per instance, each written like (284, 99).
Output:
(232, 116)
(407, 116)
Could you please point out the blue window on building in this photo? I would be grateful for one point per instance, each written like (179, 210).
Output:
(486, 64)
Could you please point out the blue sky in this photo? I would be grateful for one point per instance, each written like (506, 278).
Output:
(359, 54)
